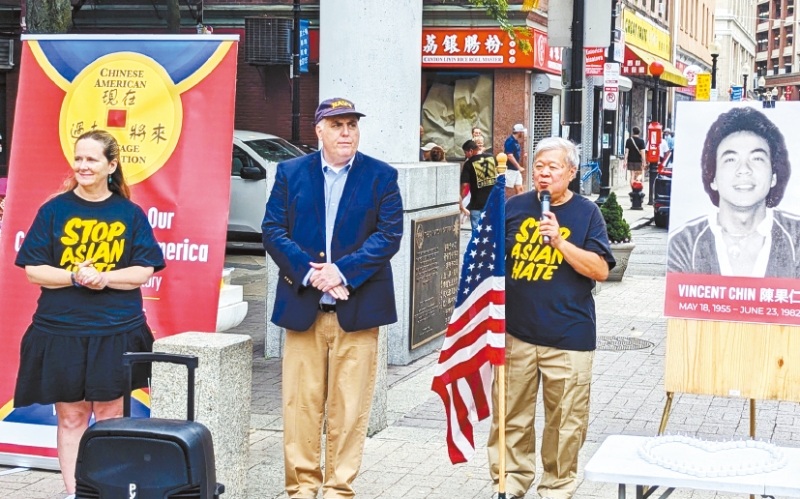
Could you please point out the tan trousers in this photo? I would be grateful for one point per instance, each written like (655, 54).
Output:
(326, 367)
(566, 377)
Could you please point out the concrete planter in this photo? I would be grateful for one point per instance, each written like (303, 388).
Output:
(621, 252)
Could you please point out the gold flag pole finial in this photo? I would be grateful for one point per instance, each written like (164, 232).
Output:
(502, 159)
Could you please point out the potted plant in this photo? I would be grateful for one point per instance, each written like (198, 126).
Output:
(619, 235)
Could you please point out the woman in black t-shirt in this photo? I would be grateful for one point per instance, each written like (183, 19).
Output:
(90, 249)
(634, 159)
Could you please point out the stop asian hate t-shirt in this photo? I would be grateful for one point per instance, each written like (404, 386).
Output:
(548, 303)
(116, 234)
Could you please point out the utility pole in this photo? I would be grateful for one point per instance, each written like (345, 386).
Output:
(608, 123)
(575, 91)
(296, 74)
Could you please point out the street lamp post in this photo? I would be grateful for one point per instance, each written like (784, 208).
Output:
(656, 69)
(714, 48)
(745, 74)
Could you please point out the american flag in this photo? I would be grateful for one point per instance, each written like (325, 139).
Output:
(475, 337)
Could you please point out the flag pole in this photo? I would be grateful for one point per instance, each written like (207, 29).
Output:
(501, 439)
(502, 159)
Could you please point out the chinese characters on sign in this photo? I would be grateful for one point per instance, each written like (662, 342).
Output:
(304, 46)
(774, 301)
(703, 87)
(490, 48)
(135, 100)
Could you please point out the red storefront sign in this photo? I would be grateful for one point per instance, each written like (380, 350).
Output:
(595, 59)
(486, 48)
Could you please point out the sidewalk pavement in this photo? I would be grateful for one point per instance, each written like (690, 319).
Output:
(409, 458)
(635, 218)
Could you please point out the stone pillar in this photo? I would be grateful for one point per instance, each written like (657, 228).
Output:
(222, 397)
(381, 72)
(370, 52)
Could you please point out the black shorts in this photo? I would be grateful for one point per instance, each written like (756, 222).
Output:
(56, 368)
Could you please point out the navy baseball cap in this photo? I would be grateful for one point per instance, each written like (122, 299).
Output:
(335, 107)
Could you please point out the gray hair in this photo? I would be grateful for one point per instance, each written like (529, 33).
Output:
(569, 149)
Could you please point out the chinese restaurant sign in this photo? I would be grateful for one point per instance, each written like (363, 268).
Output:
(169, 102)
(486, 48)
(733, 252)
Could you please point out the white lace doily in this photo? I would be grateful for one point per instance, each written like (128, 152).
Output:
(702, 458)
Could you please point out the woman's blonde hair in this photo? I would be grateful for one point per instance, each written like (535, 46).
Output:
(111, 152)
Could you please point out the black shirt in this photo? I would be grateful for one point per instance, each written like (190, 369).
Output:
(634, 145)
(548, 303)
(480, 172)
(114, 233)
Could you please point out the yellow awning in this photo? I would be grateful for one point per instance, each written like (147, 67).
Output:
(671, 75)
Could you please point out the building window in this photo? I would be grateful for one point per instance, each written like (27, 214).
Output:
(763, 12)
(775, 66)
(455, 102)
(684, 16)
(789, 8)
(776, 38)
(776, 5)
(761, 68)
(789, 36)
(762, 41)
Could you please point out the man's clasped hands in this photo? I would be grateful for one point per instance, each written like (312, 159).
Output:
(327, 279)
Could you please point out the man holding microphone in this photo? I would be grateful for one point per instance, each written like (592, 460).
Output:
(556, 249)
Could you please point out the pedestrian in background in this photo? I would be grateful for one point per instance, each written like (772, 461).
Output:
(437, 154)
(90, 310)
(479, 141)
(478, 176)
(635, 152)
(426, 151)
(513, 147)
(513, 183)
(550, 324)
(333, 222)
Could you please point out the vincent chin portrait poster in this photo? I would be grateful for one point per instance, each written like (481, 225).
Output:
(733, 251)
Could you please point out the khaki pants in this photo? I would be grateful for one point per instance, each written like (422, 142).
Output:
(566, 377)
(326, 367)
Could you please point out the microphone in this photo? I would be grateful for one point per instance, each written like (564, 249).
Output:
(544, 196)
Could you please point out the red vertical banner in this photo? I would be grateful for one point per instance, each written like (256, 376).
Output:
(169, 102)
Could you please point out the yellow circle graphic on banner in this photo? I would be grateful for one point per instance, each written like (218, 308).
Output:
(132, 97)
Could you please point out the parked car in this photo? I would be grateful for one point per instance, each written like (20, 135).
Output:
(251, 153)
(662, 191)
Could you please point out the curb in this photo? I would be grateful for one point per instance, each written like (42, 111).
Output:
(642, 222)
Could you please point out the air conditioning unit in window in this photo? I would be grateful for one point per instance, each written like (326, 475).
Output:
(6, 53)
(268, 41)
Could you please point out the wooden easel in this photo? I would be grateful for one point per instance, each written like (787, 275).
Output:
(731, 359)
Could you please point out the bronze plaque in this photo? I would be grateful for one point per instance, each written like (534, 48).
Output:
(435, 265)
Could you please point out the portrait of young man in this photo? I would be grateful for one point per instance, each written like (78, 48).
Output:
(745, 170)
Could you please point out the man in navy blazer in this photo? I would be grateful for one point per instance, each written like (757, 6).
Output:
(333, 221)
